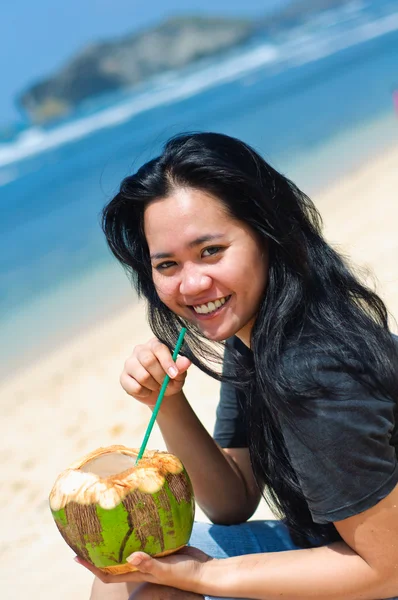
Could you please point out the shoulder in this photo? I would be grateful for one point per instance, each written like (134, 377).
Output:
(327, 364)
(338, 432)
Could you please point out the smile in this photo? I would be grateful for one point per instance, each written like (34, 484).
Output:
(210, 307)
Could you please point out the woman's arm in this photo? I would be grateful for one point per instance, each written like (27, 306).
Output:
(222, 479)
(364, 566)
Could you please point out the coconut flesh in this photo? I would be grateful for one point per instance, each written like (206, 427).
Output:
(106, 507)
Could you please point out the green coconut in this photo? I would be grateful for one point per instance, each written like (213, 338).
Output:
(107, 507)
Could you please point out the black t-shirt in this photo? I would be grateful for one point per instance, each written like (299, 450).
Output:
(343, 449)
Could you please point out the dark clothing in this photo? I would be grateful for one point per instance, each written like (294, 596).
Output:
(340, 447)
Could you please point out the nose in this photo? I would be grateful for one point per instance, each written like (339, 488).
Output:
(194, 281)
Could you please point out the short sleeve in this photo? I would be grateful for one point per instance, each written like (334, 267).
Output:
(230, 426)
(340, 447)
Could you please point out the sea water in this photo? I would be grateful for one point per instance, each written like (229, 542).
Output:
(316, 102)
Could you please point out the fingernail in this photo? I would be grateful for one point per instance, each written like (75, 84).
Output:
(172, 371)
(134, 560)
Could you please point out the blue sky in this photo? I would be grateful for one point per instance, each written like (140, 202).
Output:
(38, 36)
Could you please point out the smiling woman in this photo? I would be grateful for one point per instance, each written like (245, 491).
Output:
(218, 241)
(220, 287)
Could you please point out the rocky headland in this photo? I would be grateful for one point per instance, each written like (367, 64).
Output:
(120, 64)
(107, 67)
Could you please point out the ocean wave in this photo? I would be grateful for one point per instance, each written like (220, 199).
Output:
(297, 50)
(311, 48)
(35, 140)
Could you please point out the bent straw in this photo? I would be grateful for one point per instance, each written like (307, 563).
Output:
(160, 397)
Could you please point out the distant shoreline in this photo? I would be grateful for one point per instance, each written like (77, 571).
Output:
(178, 42)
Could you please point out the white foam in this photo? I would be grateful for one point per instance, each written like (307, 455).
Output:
(319, 47)
(34, 141)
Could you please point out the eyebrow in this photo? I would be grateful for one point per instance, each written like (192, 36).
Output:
(196, 242)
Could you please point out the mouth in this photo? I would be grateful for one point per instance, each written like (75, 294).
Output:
(210, 308)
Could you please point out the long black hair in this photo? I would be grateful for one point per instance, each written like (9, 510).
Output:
(312, 296)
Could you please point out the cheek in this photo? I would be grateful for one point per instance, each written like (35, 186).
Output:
(166, 288)
(257, 276)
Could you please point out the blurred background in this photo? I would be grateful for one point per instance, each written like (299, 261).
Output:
(90, 91)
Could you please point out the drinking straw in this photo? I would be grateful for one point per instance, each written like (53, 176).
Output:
(160, 397)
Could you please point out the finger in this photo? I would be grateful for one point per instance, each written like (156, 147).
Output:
(104, 577)
(134, 577)
(133, 388)
(135, 369)
(182, 363)
(144, 563)
(149, 360)
(165, 359)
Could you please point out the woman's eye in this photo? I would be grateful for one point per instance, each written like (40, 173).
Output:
(164, 265)
(211, 250)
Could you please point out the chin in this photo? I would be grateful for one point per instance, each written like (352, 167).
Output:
(219, 336)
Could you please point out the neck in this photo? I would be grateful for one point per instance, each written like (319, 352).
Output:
(244, 334)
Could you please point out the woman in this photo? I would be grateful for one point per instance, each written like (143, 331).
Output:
(218, 241)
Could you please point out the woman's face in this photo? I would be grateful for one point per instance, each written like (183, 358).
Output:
(207, 267)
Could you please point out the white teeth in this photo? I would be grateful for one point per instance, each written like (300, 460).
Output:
(204, 309)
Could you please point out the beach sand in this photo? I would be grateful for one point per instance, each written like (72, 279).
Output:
(69, 403)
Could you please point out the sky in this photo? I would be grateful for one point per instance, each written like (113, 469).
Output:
(38, 36)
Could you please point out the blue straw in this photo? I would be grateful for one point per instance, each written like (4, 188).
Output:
(160, 397)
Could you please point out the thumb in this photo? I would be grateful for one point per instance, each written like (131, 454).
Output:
(183, 363)
(143, 562)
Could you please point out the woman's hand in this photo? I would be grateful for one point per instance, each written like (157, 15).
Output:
(181, 570)
(145, 370)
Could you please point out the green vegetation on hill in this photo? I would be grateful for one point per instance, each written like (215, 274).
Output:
(106, 67)
(110, 66)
